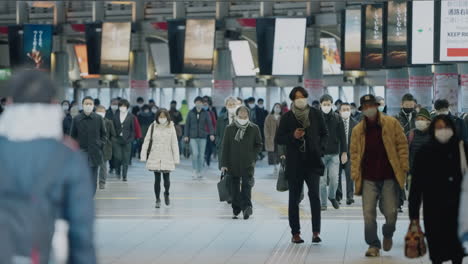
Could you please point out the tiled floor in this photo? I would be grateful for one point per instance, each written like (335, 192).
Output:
(197, 228)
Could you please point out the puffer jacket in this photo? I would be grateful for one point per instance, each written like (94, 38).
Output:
(396, 146)
(198, 124)
(164, 153)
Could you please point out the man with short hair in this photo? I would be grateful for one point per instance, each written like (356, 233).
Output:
(260, 117)
(107, 149)
(250, 103)
(137, 108)
(379, 166)
(355, 114)
(89, 130)
(407, 115)
(442, 107)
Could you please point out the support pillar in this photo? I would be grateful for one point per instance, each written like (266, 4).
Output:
(313, 73)
(139, 86)
(178, 10)
(446, 85)
(223, 85)
(22, 13)
(421, 85)
(397, 86)
(359, 91)
(266, 9)
(98, 11)
(60, 61)
(463, 70)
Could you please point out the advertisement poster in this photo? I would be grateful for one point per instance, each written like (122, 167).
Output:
(115, 48)
(373, 41)
(241, 57)
(422, 28)
(446, 87)
(199, 46)
(397, 46)
(37, 46)
(288, 50)
(331, 56)
(464, 87)
(352, 38)
(396, 88)
(160, 55)
(454, 30)
(421, 87)
(82, 58)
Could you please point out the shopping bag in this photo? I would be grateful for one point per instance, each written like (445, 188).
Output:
(282, 183)
(224, 188)
(415, 246)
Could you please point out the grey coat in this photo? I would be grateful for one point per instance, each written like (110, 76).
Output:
(197, 124)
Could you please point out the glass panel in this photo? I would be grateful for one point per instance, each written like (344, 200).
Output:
(333, 91)
(379, 91)
(347, 94)
(166, 97)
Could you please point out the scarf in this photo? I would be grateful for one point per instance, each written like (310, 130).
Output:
(302, 115)
(240, 130)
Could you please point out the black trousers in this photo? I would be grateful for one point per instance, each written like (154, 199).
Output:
(296, 184)
(210, 146)
(241, 190)
(94, 177)
(346, 168)
(157, 183)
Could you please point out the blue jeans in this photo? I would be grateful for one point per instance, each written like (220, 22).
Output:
(198, 146)
(332, 167)
(387, 193)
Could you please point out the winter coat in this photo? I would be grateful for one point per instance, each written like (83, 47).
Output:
(260, 117)
(395, 144)
(407, 124)
(110, 114)
(221, 125)
(125, 130)
(107, 150)
(67, 124)
(164, 153)
(241, 156)
(90, 133)
(176, 116)
(184, 110)
(336, 143)
(271, 126)
(416, 140)
(316, 139)
(197, 124)
(436, 182)
(145, 120)
(463, 218)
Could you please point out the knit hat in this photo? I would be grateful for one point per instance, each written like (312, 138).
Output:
(424, 113)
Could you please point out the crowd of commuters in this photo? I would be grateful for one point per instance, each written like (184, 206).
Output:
(381, 157)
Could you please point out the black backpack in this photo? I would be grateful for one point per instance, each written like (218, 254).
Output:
(27, 220)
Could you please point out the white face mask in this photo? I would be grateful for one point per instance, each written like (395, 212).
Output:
(162, 120)
(114, 107)
(277, 110)
(123, 109)
(232, 110)
(88, 109)
(422, 125)
(102, 114)
(252, 106)
(261, 106)
(65, 107)
(154, 110)
(326, 108)
(443, 135)
(300, 103)
(242, 122)
(443, 112)
(345, 114)
(140, 105)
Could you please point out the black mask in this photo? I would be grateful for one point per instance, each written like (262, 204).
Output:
(408, 110)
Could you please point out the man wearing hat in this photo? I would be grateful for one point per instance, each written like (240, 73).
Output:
(420, 135)
(379, 165)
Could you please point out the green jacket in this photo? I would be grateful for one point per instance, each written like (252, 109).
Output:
(239, 156)
(107, 149)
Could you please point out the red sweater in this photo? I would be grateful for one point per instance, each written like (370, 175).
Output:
(376, 166)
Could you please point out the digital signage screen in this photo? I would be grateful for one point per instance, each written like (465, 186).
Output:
(115, 48)
(373, 37)
(453, 45)
(331, 56)
(160, 55)
(93, 34)
(242, 59)
(288, 50)
(265, 40)
(82, 58)
(199, 46)
(37, 46)
(176, 39)
(421, 40)
(351, 39)
(396, 44)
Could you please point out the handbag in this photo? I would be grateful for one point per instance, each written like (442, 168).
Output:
(415, 246)
(187, 150)
(223, 188)
(148, 152)
(282, 183)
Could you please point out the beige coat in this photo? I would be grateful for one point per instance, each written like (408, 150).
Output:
(396, 146)
(271, 125)
(165, 149)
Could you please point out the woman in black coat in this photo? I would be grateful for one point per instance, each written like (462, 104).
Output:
(125, 130)
(437, 181)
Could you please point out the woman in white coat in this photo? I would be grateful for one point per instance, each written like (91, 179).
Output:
(163, 154)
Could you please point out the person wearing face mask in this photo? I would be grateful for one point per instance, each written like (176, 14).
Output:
(349, 123)
(260, 117)
(250, 103)
(67, 120)
(355, 114)
(436, 182)
(176, 118)
(114, 106)
(241, 143)
(419, 136)
(335, 152)
(303, 132)
(210, 145)
(197, 128)
(137, 108)
(271, 126)
(382, 106)
(89, 130)
(442, 107)
(163, 153)
(379, 166)
(125, 130)
(107, 149)
(224, 120)
(145, 119)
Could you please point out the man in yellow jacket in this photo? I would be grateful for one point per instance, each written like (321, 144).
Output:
(379, 165)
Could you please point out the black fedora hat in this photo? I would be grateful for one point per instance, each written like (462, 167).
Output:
(368, 99)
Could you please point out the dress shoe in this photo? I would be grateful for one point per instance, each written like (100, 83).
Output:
(167, 200)
(387, 244)
(373, 252)
(335, 203)
(316, 239)
(248, 212)
(296, 239)
(350, 201)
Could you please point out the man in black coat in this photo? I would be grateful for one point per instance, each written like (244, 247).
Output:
(349, 123)
(304, 133)
(89, 130)
(260, 117)
(125, 130)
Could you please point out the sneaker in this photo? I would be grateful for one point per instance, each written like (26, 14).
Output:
(125, 179)
(316, 239)
(236, 214)
(167, 200)
(400, 209)
(248, 212)
(335, 203)
(296, 239)
(102, 186)
(373, 252)
(158, 203)
(387, 244)
(350, 201)
(323, 208)
(199, 176)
